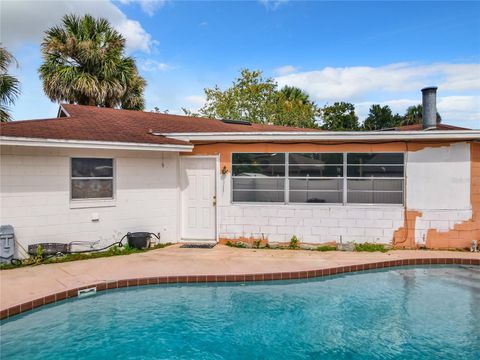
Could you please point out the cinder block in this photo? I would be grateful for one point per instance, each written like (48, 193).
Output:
(338, 213)
(287, 230)
(276, 221)
(267, 229)
(234, 228)
(251, 229)
(311, 221)
(286, 212)
(328, 222)
(320, 212)
(337, 230)
(316, 230)
(356, 231)
(374, 232)
(303, 213)
(295, 221)
(303, 230)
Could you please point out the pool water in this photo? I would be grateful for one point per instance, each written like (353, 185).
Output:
(401, 313)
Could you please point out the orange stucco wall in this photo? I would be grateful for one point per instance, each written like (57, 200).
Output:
(225, 149)
(459, 237)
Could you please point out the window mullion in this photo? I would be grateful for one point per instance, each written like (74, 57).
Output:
(287, 180)
(345, 182)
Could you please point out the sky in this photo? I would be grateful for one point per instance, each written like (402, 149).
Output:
(362, 52)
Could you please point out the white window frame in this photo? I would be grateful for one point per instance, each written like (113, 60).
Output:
(284, 178)
(92, 202)
(403, 178)
(345, 179)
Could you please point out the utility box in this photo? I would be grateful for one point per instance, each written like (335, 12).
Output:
(7, 243)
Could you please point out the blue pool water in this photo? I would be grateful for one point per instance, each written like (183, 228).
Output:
(402, 313)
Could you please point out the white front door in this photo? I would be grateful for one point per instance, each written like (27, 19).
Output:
(198, 198)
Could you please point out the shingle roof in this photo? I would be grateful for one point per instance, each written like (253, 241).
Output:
(113, 125)
(419, 127)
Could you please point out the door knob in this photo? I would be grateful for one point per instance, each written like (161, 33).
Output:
(214, 200)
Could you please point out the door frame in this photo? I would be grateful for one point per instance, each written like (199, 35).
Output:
(216, 178)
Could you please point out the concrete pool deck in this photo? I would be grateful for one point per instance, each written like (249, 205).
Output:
(29, 287)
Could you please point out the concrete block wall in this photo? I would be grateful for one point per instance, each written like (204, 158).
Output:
(310, 223)
(35, 200)
(437, 186)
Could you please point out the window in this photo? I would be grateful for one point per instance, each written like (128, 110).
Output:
(375, 178)
(365, 178)
(315, 178)
(91, 178)
(258, 177)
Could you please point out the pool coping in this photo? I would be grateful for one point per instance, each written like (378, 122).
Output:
(178, 279)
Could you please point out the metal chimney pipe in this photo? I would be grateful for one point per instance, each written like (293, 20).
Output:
(429, 104)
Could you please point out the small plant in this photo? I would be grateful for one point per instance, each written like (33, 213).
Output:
(369, 247)
(326, 248)
(293, 243)
(113, 251)
(256, 243)
(39, 255)
(237, 244)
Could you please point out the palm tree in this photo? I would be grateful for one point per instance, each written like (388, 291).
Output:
(294, 94)
(9, 85)
(414, 115)
(84, 64)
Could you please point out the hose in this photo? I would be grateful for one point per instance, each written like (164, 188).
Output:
(119, 243)
(17, 262)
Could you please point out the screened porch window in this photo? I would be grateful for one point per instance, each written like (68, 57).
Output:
(331, 178)
(258, 177)
(375, 178)
(315, 177)
(91, 178)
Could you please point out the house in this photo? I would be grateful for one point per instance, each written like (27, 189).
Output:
(94, 174)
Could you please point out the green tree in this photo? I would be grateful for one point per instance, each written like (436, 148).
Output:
(381, 117)
(414, 115)
(9, 85)
(339, 117)
(84, 63)
(294, 108)
(257, 99)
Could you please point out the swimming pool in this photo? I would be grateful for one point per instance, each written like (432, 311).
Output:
(400, 313)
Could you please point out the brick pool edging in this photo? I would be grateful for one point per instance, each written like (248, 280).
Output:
(178, 279)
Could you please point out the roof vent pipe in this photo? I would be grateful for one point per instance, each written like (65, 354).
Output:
(429, 104)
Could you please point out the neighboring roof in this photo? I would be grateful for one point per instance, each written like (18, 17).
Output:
(419, 127)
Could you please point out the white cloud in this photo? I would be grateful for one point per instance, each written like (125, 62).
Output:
(285, 70)
(195, 102)
(152, 65)
(358, 82)
(25, 21)
(397, 85)
(455, 110)
(272, 4)
(149, 7)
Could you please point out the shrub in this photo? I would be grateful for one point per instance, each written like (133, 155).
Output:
(326, 248)
(293, 243)
(369, 247)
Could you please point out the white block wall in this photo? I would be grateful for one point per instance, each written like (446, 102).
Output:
(437, 185)
(310, 223)
(34, 187)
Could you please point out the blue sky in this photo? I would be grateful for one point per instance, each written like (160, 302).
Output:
(362, 52)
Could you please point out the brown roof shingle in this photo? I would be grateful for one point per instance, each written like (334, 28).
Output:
(113, 125)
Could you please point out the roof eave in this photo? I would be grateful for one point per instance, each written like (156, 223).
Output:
(88, 144)
(329, 136)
